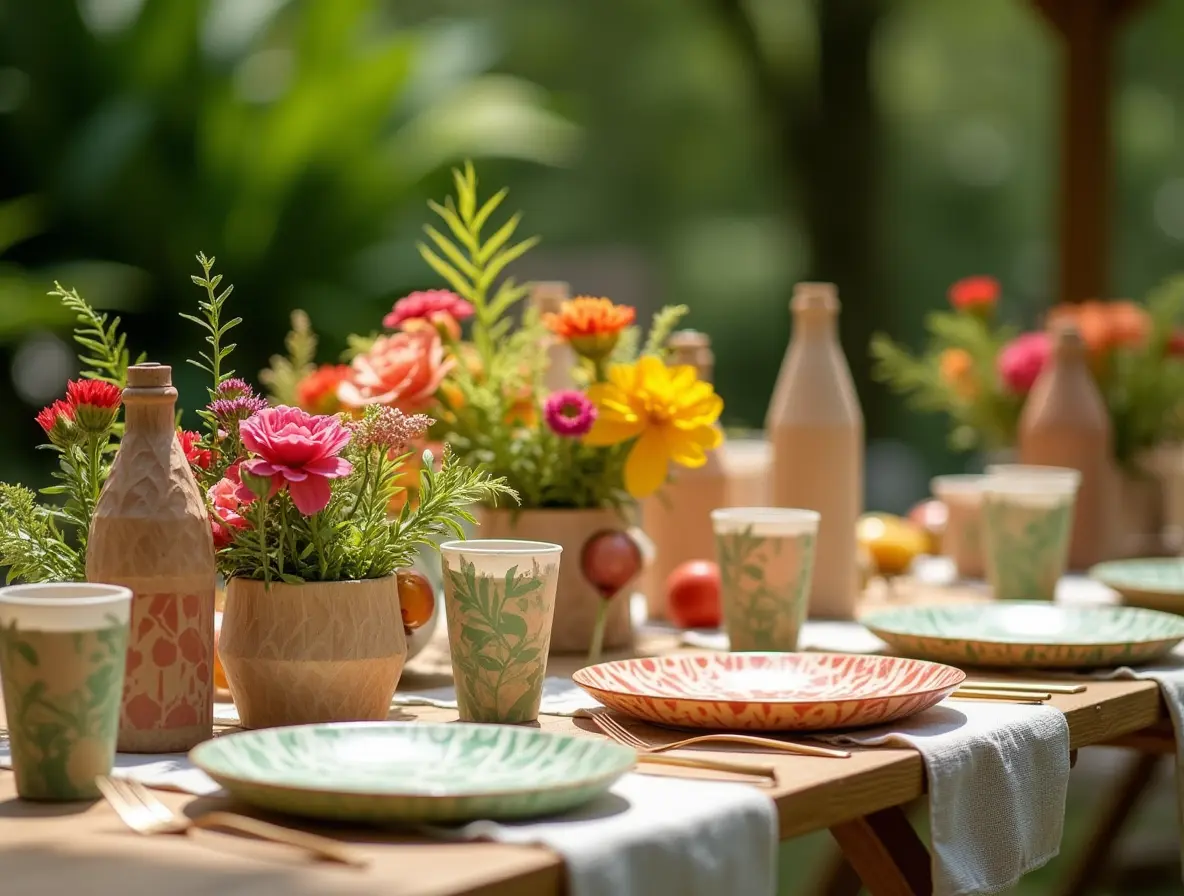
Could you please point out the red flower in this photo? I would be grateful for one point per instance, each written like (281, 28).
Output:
(196, 455)
(58, 422)
(228, 497)
(95, 404)
(297, 450)
(1176, 344)
(975, 294)
(437, 307)
(317, 392)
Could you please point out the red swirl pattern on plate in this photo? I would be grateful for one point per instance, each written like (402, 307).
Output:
(770, 691)
(170, 658)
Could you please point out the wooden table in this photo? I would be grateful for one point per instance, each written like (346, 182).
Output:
(86, 849)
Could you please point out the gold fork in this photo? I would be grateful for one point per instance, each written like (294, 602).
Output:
(141, 811)
(621, 734)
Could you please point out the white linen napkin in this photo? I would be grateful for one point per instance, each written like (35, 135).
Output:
(561, 697)
(997, 776)
(647, 836)
(817, 635)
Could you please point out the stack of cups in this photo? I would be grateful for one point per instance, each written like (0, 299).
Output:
(1027, 520)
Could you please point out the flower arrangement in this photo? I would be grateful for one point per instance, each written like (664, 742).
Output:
(979, 371)
(293, 496)
(608, 440)
(301, 497)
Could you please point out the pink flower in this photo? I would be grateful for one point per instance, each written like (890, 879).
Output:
(298, 450)
(402, 370)
(228, 497)
(1021, 361)
(438, 307)
(569, 413)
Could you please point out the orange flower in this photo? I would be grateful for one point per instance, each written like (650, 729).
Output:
(1104, 325)
(402, 370)
(957, 371)
(592, 326)
(317, 392)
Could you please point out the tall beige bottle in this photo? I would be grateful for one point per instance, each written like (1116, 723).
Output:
(546, 297)
(815, 427)
(1065, 424)
(151, 533)
(678, 519)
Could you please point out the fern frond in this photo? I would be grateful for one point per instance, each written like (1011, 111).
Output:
(104, 354)
(284, 373)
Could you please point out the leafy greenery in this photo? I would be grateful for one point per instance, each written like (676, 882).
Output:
(985, 416)
(31, 545)
(94, 333)
(285, 372)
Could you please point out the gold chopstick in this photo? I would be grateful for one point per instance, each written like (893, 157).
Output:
(1010, 696)
(1023, 686)
(719, 765)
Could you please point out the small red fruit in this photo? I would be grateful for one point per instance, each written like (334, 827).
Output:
(417, 598)
(692, 595)
(610, 560)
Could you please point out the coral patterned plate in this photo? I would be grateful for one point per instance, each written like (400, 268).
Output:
(1037, 635)
(769, 691)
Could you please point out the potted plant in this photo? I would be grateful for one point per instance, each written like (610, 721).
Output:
(313, 625)
(578, 458)
(979, 371)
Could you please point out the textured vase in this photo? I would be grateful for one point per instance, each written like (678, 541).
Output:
(151, 534)
(317, 652)
(576, 601)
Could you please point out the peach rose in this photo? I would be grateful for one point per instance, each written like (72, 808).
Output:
(402, 370)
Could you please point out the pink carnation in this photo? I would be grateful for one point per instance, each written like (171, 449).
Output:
(297, 450)
(436, 306)
(1021, 361)
(228, 497)
(569, 413)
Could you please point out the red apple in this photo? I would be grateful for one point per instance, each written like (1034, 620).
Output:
(692, 595)
(610, 560)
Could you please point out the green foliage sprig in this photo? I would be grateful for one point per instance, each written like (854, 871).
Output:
(94, 333)
(284, 373)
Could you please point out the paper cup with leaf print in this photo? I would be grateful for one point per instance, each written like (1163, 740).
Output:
(62, 653)
(1027, 520)
(961, 540)
(499, 600)
(766, 564)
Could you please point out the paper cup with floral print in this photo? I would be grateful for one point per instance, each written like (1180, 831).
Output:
(499, 598)
(962, 539)
(63, 648)
(1027, 523)
(766, 564)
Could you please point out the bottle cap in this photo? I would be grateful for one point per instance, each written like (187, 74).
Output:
(693, 348)
(149, 375)
(815, 297)
(549, 295)
(1067, 339)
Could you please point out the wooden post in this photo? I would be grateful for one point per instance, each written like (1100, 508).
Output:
(1088, 29)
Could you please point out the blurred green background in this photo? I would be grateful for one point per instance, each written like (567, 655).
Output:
(710, 152)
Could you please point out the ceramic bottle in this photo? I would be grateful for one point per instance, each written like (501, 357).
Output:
(151, 533)
(815, 428)
(678, 519)
(1065, 423)
(546, 298)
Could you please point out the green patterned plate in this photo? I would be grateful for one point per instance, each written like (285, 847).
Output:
(1155, 583)
(1042, 635)
(412, 772)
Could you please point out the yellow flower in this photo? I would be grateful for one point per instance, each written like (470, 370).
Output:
(668, 410)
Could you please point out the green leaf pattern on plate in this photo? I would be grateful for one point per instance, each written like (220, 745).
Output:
(383, 772)
(499, 631)
(61, 693)
(1026, 548)
(765, 588)
(1028, 634)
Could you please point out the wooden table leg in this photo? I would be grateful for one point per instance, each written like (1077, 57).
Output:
(886, 853)
(1125, 798)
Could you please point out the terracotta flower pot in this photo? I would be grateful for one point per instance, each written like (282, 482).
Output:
(317, 652)
(576, 601)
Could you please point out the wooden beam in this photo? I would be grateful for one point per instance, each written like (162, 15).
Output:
(1088, 29)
